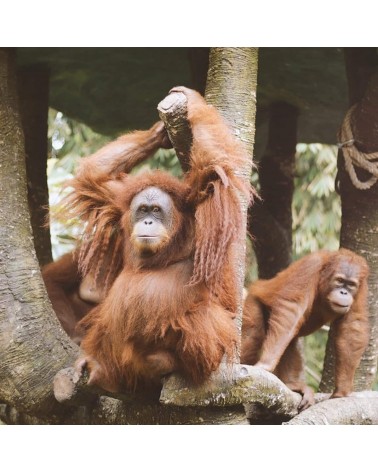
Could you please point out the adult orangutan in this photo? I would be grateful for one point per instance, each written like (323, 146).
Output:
(172, 305)
(323, 287)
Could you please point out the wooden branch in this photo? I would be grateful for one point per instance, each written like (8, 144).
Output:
(266, 400)
(360, 408)
(113, 411)
(71, 387)
(173, 112)
(233, 385)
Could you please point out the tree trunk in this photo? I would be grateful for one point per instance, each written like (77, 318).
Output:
(231, 88)
(359, 207)
(33, 347)
(271, 219)
(34, 106)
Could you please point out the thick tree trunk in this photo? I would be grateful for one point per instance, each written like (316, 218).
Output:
(33, 347)
(34, 105)
(231, 88)
(271, 219)
(359, 207)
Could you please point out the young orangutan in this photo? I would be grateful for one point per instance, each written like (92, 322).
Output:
(323, 287)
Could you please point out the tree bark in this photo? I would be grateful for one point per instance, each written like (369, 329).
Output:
(231, 88)
(341, 411)
(271, 219)
(173, 112)
(359, 207)
(34, 106)
(33, 346)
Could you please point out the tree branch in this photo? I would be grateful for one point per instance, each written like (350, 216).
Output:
(173, 112)
(233, 385)
(360, 408)
(71, 388)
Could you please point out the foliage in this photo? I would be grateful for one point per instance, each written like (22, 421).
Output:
(316, 206)
(314, 353)
(164, 159)
(68, 142)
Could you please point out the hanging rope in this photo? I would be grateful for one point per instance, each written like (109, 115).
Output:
(355, 158)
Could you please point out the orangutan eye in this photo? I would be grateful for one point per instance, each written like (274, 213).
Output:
(143, 209)
(156, 209)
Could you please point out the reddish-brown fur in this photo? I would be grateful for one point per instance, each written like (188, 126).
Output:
(62, 280)
(294, 304)
(71, 295)
(172, 311)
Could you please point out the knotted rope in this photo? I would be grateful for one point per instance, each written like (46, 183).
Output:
(355, 158)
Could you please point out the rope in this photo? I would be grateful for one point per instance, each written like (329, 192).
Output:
(355, 158)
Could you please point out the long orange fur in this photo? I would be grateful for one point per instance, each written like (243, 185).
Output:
(174, 310)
